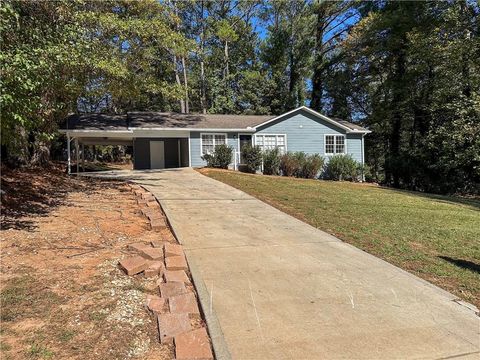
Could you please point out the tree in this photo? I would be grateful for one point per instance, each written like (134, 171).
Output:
(56, 55)
(414, 76)
(333, 20)
(286, 53)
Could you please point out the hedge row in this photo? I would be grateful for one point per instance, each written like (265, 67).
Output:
(297, 164)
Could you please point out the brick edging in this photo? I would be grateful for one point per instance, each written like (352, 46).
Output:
(214, 329)
(179, 297)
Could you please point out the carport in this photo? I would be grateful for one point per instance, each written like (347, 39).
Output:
(153, 148)
(81, 139)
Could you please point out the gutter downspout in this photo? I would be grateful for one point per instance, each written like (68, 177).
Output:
(68, 154)
(363, 157)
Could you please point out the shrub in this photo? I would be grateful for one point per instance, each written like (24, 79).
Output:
(220, 158)
(312, 166)
(291, 163)
(271, 162)
(364, 173)
(252, 156)
(342, 167)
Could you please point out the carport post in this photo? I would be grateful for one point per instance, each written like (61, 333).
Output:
(83, 157)
(77, 154)
(68, 155)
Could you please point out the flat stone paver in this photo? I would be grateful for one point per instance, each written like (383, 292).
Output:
(282, 289)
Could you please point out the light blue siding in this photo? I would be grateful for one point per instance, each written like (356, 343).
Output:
(195, 150)
(304, 132)
(354, 146)
(307, 133)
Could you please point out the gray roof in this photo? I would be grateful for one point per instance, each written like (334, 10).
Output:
(348, 124)
(150, 120)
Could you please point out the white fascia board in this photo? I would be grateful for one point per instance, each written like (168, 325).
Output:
(194, 129)
(97, 133)
(317, 114)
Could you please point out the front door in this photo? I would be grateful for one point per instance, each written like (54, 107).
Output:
(157, 155)
(244, 141)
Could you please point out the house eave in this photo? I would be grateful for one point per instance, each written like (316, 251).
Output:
(316, 114)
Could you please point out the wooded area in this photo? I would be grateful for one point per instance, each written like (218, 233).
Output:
(409, 71)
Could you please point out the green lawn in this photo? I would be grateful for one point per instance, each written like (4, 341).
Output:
(434, 237)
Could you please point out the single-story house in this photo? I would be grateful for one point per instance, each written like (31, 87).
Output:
(169, 140)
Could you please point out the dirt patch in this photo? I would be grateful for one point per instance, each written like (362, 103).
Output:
(62, 292)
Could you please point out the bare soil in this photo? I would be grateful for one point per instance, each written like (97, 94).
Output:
(62, 292)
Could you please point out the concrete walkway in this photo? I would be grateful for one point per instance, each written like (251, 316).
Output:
(282, 289)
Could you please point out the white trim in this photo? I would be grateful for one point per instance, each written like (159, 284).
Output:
(190, 151)
(98, 133)
(363, 150)
(238, 139)
(77, 157)
(161, 134)
(239, 151)
(69, 160)
(334, 144)
(250, 130)
(213, 134)
(276, 139)
(317, 114)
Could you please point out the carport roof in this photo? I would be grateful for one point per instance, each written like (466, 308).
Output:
(152, 120)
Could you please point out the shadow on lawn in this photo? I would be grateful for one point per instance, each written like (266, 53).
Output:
(455, 200)
(464, 264)
(28, 193)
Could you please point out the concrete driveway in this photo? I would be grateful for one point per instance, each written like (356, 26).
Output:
(277, 288)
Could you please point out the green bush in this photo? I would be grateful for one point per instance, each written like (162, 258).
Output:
(342, 167)
(312, 166)
(364, 173)
(301, 165)
(271, 162)
(220, 158)
(252, 156)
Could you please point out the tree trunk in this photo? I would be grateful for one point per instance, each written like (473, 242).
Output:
(318, 69)
(185, 83)
(177, 79)
(175, 65)
(203, 98)
(40, 153)
(397, 103)
(226, 71)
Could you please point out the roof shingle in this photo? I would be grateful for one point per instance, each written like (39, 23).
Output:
(151, 120)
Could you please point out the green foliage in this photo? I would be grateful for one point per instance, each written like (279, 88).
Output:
(220, 158)
(416, 82)
(252, 156)
(98, 55)
(312, 166)
(301, 165)
(364, 173)
(342, 167)
(271, 162)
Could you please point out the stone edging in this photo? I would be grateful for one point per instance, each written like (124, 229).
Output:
(166, 261)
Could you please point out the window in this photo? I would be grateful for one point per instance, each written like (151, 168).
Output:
(334, 144)
(268, 142)
(210, 141)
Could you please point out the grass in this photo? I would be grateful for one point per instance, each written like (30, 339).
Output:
(434, 237)
(24, 296)
(39, 351)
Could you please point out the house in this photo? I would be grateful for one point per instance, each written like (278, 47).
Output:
(169, 140)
